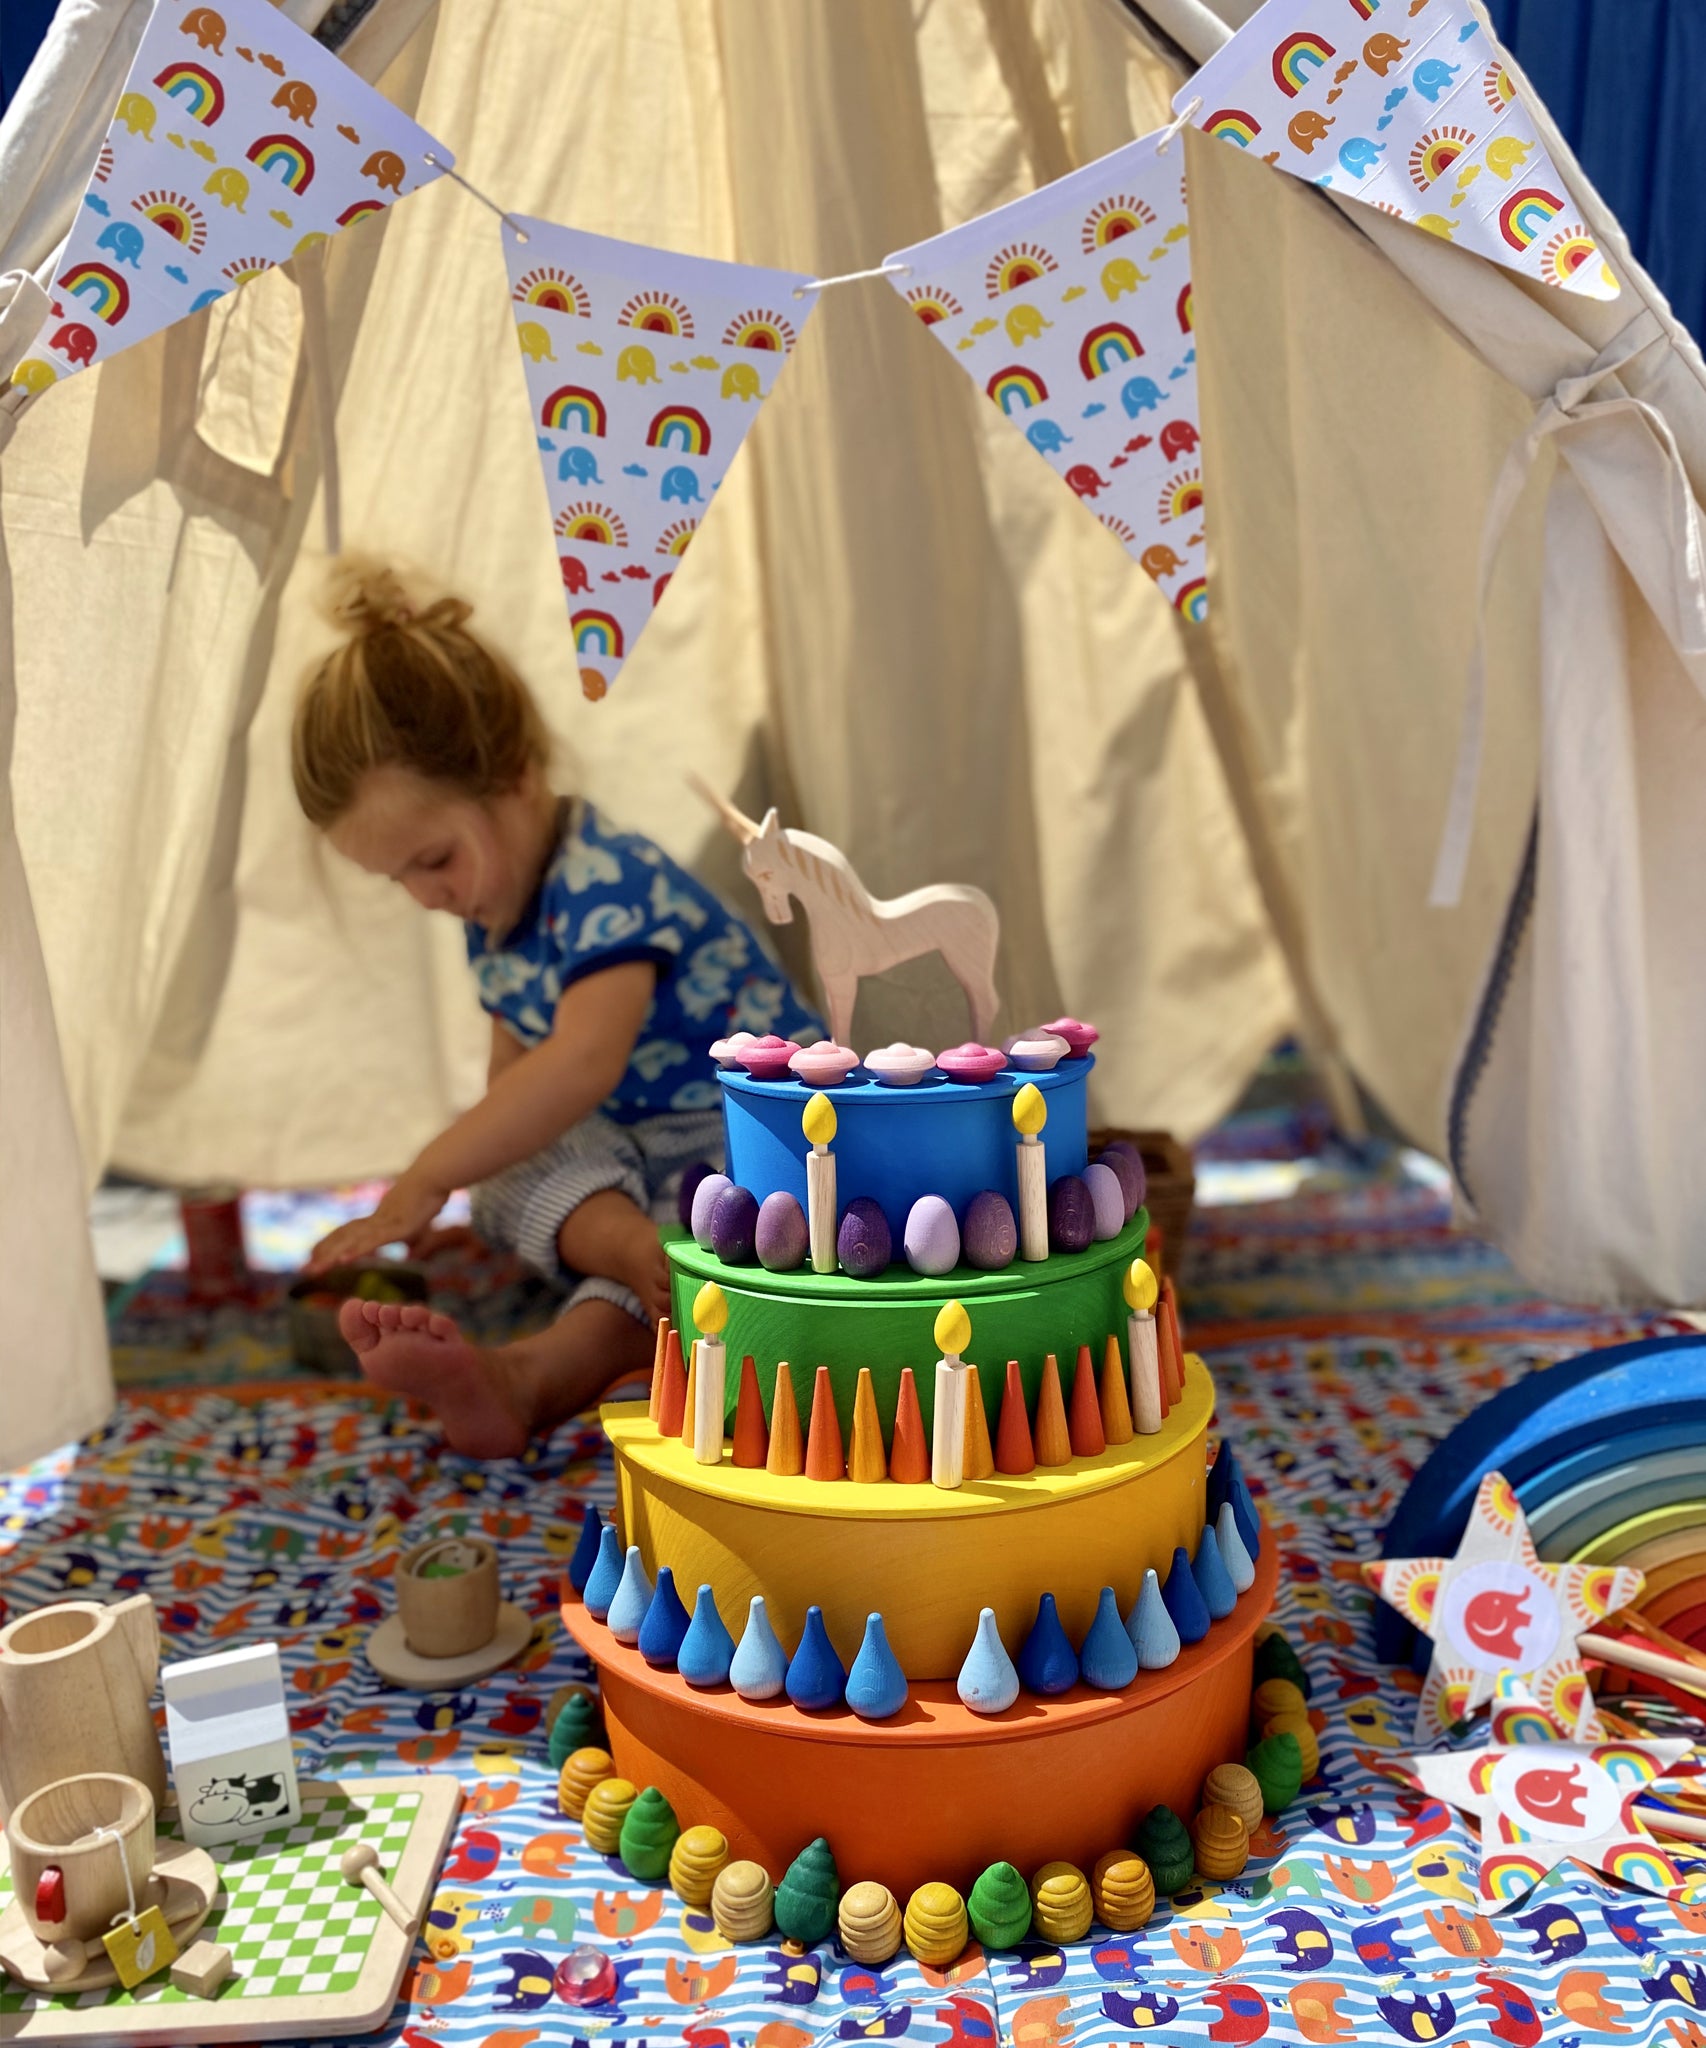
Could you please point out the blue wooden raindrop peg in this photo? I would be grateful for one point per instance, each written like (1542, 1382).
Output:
(586, 1550)
(1184, 1599)
(988, 1683)
(633, 1597)
(707, 1649)
(1214, 1581)
(876, 1686)
(606, 1574)
(1232, 1552)
(1047, 1663)
(817, 1677)
(1107, 1658)
(759, 1668)
(665, 1625)
(1151, 1629)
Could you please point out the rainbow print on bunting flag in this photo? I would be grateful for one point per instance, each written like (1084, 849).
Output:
(644, 373)
(1406, 108)
(1071, 311)
(238, 142)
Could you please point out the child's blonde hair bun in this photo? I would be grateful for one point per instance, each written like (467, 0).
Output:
(365, 595)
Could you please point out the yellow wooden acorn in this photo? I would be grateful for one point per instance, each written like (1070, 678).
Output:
(743, 1902)
(1300, 1726)
(869, 1923)
(1061, 1906)
(935, 1925)
(583, 1769)
(694, 1862)
(1276, 1696)
(605, 1810)
(1122, 1891)
(1222, 1843)
(1232, 1785)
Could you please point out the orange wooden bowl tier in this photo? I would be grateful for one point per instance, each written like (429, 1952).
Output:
(936, 1792)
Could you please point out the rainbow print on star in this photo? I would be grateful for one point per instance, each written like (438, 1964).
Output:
(1108, 347)
(1190, 600)
(1017, 389)
(1233, 125)
(1528, 213)
(597, 634)
(197, 92)
(574, 409)
(1297, 60)
(1624, 1764)
(762, 330)
(1507, 1876)
(284, 158)
(555, 290)
(681, 428)
(100, 290)
(176, 216)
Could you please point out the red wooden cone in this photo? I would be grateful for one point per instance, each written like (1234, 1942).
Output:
(752, 1438)
(1050, 1435)
(825, 1458)
(1013, 1448)
(1084, 1417)
(909, 1454)
(658, 1355)
(672, 1399)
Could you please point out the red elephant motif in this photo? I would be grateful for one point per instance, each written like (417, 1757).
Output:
(1085, 480)
(574, 573)
(1179, 437)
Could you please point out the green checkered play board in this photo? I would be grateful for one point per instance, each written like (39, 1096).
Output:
(295, 1929)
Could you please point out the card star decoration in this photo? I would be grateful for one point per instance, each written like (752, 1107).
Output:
(1542, 1797)
(1495, 1607)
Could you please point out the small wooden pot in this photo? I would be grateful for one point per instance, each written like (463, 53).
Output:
(70, 1881)
(449, 1617)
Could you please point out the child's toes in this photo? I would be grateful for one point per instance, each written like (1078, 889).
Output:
(441, 1326)
(414, 1317)
(387, 1315)
(354, 1327)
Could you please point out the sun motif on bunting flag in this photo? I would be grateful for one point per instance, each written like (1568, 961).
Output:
(1542, 1796)
(1495, 1607)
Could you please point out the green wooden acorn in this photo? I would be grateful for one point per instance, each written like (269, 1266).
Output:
(648, 1835)
(999, 1907)
(1275, 1658)
(577, 1726)
(1276, 1764)
(807, 1896)
(1164, 1843)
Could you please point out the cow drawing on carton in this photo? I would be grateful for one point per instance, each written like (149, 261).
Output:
(228, 1732)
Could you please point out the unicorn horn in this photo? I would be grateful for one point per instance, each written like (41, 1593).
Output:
(738, 822)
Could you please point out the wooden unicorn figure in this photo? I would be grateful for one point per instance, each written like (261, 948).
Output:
(854, 933)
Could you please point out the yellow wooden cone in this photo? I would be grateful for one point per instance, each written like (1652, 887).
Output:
(979, 1452)
(866, 1460)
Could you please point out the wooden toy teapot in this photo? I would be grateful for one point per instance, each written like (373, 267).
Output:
(75, 1682)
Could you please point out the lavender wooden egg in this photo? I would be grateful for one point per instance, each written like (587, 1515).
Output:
(691, 1176)
(991, 1235)
(704, 1201)
(932, 1237)
(1071, 1214)
(734, 1226)
(1127, 1162)
(1107, 1201)
(782, 1237)
(864, 1243)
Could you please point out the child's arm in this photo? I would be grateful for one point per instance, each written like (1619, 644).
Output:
(532, 1099)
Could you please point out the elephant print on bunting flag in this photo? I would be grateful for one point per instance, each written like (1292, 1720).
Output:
(644, 372)
(1071, 310)
(239, 142)
(1407, 107)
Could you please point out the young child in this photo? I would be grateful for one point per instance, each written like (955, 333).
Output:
(608, 971)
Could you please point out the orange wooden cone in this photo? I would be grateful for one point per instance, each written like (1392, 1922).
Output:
(1172, 1294)
(1084, 1423)
(752, 1439)
(866, 1461)
(1013, 1450)
(909, 1453)
(1049, 1433)
(655, 1401)
(825, 1459)
(787, 1453)
(1155, 1250)
(672, 1396)
(687, 1403)
(979, 1459)
(1116, 1402)
(1172, 1348)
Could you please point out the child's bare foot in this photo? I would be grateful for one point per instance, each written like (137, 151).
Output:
(609, 1235)
(422, 1354)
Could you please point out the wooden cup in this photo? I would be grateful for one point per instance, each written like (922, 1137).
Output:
(449, 1617)
(60, 1864)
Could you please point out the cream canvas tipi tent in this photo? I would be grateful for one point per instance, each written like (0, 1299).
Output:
(899, 628)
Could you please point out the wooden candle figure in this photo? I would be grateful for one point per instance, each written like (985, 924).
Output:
(822, 1219)
(711, 1313)
(948, 1445)
(1141, 1293)
(1030, 1113)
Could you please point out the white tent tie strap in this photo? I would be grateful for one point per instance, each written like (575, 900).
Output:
(824, 284)
(1680, 608)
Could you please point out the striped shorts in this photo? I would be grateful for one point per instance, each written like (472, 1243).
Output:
(522, 1209)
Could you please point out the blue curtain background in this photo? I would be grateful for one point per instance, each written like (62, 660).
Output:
(23, 23)
(1622, 79)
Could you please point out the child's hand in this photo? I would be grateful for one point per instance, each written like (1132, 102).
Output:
(403, 1217)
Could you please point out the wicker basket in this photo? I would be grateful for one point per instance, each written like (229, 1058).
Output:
(1172, 1190)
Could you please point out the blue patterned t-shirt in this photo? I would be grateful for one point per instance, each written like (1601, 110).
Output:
(611, 896)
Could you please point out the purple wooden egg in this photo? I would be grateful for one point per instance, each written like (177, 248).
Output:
(704, 1201)
(691, 1176)
(734, 1226)
(991, 1235)
(782, 1237)
(932, 1237)
(864, 1243)
(1127, 1162)
(1071, 1214)
(1107, 1202)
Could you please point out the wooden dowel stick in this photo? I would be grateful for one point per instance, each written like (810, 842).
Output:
(1146, 1405)
(821, 1218)
(708, 1399)
(1671, 1669)
(1033, 1199)
(948, 1442)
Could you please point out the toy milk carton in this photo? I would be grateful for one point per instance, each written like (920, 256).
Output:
(229, 1737)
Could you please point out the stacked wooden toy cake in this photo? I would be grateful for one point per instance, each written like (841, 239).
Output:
(918, 1546)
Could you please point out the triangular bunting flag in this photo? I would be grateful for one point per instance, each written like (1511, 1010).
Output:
(1404, 104)
(644, 372)
(1071, 309)
(238, 142)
